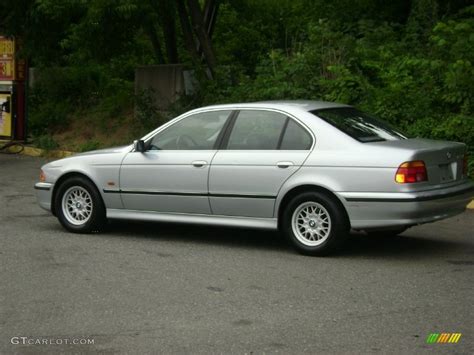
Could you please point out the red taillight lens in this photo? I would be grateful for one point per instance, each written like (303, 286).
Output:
(410, 172)
(465, 167)
(42, 177)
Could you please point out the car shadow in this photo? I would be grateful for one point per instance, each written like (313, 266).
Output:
(411, 244)
(202, 234)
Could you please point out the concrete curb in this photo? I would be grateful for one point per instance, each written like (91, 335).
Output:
(38, 152)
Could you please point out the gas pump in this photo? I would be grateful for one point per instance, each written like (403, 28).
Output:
(6, 124)
(12, 92)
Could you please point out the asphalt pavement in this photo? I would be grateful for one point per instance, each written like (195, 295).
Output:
(164, 288)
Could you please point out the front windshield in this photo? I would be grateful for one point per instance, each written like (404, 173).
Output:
(359, 125)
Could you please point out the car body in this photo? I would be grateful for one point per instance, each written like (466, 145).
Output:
(241, 165)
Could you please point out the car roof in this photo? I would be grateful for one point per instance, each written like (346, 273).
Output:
(306, 105)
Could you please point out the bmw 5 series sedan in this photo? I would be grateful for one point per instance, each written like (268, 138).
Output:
(313, 170)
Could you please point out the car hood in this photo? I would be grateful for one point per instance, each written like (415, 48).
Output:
(89, 156)
(105, 151)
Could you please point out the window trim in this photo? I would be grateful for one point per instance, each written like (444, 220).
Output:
(225, 131)
(282, 133)
(233, 118)
(225, 138)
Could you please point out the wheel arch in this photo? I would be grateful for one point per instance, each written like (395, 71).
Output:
(65, 177)
(296, 190)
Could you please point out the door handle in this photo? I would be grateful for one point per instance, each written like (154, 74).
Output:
(199, 163)
(284, 164)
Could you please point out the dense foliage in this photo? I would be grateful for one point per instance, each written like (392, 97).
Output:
(417, 75)
(409, 62)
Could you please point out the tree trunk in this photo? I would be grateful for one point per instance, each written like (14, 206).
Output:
(155, 42)
(169, 32)
(166, 16)
(187, 29)
(201, 33)
(210, 15)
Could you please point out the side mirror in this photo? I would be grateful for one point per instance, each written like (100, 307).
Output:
(139, 145)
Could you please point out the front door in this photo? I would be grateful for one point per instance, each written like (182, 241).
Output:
(263, 149)
(172, 175)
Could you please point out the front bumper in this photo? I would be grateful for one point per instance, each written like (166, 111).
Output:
(44, 193)
(380, 210)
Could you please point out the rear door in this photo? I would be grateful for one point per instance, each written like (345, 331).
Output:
(261, 150)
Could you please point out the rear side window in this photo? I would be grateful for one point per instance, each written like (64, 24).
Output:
(256, 130)
(295, 137)
(359, 125)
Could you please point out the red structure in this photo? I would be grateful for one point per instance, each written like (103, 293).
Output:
(13, 79)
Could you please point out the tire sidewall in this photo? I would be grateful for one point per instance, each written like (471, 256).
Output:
(339, 223)
(97, 218)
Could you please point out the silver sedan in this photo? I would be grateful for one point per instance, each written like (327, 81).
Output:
(313, 170)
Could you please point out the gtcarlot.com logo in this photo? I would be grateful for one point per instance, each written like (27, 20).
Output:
(443, 338)
(50, 341)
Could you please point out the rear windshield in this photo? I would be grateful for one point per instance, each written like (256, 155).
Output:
(359, 125)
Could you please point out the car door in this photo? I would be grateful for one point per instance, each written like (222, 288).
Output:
(172, 174)
(262, 149)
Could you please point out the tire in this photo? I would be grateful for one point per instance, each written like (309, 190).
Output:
(85, 212)
(320, 235)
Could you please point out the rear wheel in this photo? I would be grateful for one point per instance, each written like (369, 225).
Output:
(314, 223)
(79, 206)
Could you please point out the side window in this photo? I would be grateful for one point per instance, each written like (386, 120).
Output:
(296, 137)
(259, 130)
(196, 132)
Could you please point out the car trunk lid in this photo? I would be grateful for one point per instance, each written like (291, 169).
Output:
(443, 159)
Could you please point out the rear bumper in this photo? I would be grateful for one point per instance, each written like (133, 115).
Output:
(379, 210)
(44, 192)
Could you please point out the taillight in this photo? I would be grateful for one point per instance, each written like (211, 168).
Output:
(42, 177)
(410, 172)
(465, 167)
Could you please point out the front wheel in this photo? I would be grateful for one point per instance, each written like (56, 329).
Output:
(315, 223)
(79, 206)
